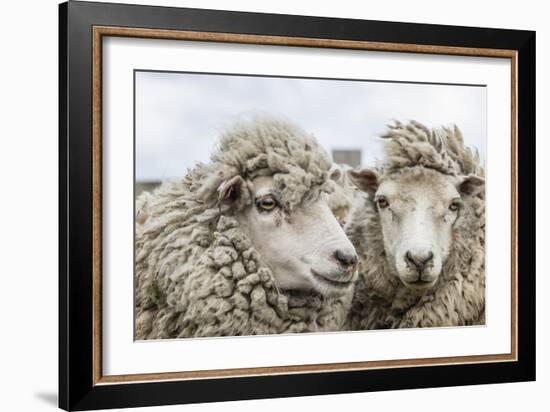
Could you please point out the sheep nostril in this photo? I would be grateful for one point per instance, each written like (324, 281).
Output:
(419, 260)
(429, 258)
(346, 259)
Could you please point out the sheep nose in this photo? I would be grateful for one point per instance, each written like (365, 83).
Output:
(419, 259)
(345, 258)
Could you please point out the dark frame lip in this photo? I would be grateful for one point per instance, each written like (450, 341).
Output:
(77, 388)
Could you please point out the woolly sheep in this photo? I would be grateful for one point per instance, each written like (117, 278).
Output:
(246, 243)
(341, 200)
(420, 233)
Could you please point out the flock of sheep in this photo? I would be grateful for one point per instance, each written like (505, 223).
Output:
(271, 237)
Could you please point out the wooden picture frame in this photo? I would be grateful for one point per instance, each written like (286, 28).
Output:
(82, 385)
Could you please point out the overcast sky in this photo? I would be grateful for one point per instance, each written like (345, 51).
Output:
(179, 116)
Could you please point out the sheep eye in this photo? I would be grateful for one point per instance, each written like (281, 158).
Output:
(266, 203)
(382, 202)
(454, 206)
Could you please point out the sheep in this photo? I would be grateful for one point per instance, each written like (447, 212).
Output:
(246, 243)
(340, 201)
(419, 230)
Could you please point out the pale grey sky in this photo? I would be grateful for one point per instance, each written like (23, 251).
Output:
(179, 115)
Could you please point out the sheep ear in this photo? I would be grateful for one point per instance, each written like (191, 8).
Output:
(231, 190)
(471, 185)
(335, 173)
(365, 179)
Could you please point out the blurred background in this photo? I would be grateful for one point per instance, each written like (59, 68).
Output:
(179, 116)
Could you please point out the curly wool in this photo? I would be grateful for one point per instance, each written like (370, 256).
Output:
(197, 272)
(458, 298)
(441, 149)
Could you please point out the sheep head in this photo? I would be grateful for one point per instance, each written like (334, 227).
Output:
(274, 178)
(420, 194)
(341, 200)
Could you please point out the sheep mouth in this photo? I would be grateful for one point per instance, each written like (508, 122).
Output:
(337, 284)
(420, 283)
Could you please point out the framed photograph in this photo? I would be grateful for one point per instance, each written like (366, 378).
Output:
(256, 205)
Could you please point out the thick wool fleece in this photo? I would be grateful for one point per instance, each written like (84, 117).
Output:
(458, 298)
(197, 272)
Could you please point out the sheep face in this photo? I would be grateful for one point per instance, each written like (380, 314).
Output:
(306, 248)
(417, 209)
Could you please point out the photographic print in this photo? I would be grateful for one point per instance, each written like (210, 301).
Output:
(274, 205)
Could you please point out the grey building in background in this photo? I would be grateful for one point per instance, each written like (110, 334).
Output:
(351, 157)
